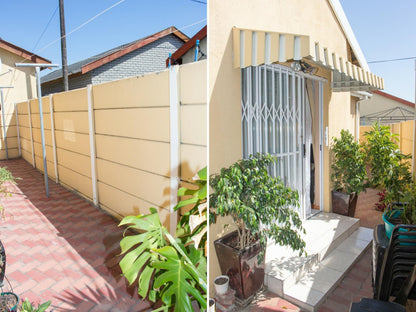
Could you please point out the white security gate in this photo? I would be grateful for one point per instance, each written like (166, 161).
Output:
(274, 101)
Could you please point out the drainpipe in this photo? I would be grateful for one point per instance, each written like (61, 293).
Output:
(363, 96)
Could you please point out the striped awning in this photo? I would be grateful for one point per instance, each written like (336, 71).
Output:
(252, 47)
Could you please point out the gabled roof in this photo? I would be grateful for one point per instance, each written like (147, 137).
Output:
(188, 45)
(394, 98)
(349, 34)
(96, 61)
(10, 47)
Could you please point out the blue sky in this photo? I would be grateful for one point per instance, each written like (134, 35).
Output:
(23, 22)
(386, 29)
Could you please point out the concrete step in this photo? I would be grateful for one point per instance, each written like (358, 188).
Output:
(324, 233)
(317, 284)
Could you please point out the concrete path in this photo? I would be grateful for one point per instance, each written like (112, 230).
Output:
(62, 248)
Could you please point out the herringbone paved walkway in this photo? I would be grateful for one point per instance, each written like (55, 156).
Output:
(61, 248)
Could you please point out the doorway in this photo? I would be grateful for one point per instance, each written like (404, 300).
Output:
(282, 116)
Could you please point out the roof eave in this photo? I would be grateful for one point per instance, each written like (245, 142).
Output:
(349, 34)
(134, 46)
(10, 47)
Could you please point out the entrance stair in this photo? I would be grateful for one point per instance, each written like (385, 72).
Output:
(333, 244)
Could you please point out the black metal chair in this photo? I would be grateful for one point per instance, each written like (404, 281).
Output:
(397, 276)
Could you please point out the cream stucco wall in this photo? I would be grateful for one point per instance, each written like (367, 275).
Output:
(24, 87)
(313, 18)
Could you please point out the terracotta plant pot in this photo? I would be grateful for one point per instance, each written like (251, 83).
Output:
(241, 266)
(344, 204)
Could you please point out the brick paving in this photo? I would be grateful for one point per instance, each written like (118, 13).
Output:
(62, 248)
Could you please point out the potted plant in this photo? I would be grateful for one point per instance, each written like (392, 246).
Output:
(261, 208)
(403, 212)
(348, 173)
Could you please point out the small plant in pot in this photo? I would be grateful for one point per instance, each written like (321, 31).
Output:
(262, 208)
(348, 173)
(402, 212)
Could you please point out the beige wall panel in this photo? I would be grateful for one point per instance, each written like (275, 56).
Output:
(194, 124)
(150, 187)
(72, 121)
(146, 155)
(34, 105)
(22, 108)
(122, 204)
(70, 101)
(193, 82)
(193, 159)
(24, 121)
(76, 142)
(144, 91)
(12, 142)
(46, 121)
(39, 166)
(38, 151)
(38, 138)
(142, 123)
(11, 131)
(24, 133)
(75, 181)
(74, 161)
(26, 145)
(27, 156)
(13, 153)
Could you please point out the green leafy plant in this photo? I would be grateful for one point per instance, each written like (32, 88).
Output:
(348, 166)
(5, 177)
(261, 206)
(383, 155)
(408, 216)
(27, 306)
(166, 267)
(389, 167)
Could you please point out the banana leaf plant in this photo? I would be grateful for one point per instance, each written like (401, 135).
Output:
(170, 268)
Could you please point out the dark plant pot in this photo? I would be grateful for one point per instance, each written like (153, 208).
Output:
(344, 204)
(241, 266)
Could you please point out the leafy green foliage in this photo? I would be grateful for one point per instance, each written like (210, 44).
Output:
(409, 210)
(387, 164)
(173, 269)
(260, 205)
(5, 176)
(27, 306)
(348, 166)
(389, 167)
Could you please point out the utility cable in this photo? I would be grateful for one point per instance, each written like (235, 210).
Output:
(393, 60)
(46, 27)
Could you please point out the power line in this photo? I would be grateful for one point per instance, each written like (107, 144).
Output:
(199, 1)
(393, 60)
(82, 25)
(46, 27)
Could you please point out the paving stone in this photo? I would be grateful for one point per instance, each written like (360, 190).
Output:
(57, 248)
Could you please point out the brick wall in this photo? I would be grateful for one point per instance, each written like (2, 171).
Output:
(147, 59)
(150, 58)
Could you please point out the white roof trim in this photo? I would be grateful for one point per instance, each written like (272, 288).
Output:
(346, 27)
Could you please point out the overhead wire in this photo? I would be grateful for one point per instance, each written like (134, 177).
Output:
(46, 27)
(393, 60)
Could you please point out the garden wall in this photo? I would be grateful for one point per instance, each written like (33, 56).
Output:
(124, 145)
